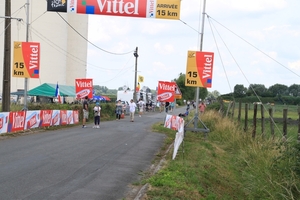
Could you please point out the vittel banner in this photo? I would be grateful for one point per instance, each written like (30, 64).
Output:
(26, 62)
(162, 9)
(84, 87)
(199, 70)
(166, 91)
(25, 120)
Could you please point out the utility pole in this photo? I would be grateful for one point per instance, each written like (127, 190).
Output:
(136, 55)
(6, 59)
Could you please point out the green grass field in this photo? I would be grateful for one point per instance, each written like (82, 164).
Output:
(229, 164)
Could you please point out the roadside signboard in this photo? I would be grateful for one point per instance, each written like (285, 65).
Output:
(26, 62)
(84, 87)
(199, 69)
(166, 91)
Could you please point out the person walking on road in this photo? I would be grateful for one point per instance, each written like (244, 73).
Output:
(119, 108)
(202, 107)
(167, 104)
(97, 110)
(132, 107)
(141, 107)
(85, 110)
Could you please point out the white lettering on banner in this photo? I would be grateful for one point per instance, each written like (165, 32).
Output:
(64, 117)
(46, 118)
(32, 121)
(18, 121)
(207, 66)
(84, 84)
(34, 57)
(118, 6)
(151, 9)
(167, 87)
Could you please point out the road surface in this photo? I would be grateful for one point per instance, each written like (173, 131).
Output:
(79, 163)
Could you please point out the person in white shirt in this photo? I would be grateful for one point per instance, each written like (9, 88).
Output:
(97, 110)
(141, 105)
(132, 107)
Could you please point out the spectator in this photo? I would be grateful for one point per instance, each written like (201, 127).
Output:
(167, 104)
(202, 107)
(97, 110)
(172, 106)
(119, 108)
(141, 105)
(132, 107)
(85, 109)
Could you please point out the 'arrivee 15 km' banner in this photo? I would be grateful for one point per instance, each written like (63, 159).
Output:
(161, 9)
(26, 62)
(199, 69)
(84, 87)
(166, 91)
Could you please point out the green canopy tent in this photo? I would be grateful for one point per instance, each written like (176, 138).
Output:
(48, 90)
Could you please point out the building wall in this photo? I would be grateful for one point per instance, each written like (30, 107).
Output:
(63, 51)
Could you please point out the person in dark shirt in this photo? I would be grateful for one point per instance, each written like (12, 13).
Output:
(85, 109)
(167, 106)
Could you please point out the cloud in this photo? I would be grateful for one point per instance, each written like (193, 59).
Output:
(295, 66)
(164, 49)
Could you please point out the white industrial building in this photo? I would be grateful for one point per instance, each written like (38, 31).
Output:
(63, 51)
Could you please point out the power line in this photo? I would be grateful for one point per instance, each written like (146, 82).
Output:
(256, 48)
(91, 42)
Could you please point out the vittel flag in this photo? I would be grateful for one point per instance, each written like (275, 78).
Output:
(199, 69)
(162, 9)
(141, 79)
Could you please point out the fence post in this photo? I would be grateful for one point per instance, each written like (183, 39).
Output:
(246, 117)
(284, 124)
(233, 107)
(271, 123)
(254, 121)
(240, 111)
(228, 108)
(262, 111)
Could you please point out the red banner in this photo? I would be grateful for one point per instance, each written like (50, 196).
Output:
(166, 91)
(162, 9)
(84, 87)
(75, 116)
(63, 117)
(46, 117)
(16, 121)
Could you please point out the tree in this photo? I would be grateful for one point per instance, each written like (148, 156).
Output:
(239, 91)
(213, 95)
(188, 93)
(294, 90)
(278, 90)
(258, 89)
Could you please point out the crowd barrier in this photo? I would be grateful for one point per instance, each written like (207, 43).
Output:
(25, 120)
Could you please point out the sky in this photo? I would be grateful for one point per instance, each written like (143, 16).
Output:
(254, 42)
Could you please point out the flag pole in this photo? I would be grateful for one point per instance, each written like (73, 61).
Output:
(27, 38)
(196, 116)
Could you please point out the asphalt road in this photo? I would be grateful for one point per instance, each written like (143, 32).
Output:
(79, 163)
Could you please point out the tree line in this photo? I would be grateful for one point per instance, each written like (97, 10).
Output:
(277, 93)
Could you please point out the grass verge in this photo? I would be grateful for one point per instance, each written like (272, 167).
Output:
(229, 164)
